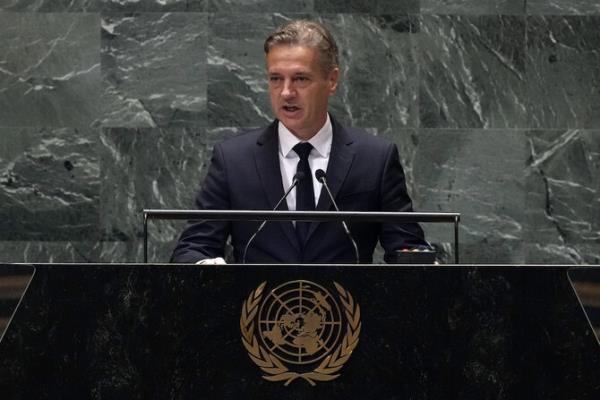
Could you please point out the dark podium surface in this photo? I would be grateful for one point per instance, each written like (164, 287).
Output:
(173, 332)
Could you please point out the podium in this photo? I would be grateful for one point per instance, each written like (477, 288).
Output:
(138, 331)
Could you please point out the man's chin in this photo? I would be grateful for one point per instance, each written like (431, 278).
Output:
(290, 123)
(293, 126)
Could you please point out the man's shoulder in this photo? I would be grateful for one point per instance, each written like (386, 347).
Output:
(364, 138)
(245, 138)
(242, 137)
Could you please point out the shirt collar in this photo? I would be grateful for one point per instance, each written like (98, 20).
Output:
(321, 141)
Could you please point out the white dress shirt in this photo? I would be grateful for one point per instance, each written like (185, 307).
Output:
(317, 159)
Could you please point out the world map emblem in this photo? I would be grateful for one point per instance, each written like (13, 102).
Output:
(300, 330)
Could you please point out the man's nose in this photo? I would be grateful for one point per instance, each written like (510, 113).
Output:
(288, 89)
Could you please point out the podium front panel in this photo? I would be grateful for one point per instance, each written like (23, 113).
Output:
(299, 332)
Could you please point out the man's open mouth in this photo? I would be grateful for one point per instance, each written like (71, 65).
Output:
(291, 108)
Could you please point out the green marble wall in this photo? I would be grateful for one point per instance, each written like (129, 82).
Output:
(111, 106)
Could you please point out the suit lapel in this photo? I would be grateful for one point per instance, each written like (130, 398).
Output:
(269, 172)
(340, 161)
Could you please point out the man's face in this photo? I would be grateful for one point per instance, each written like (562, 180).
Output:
(299, 88)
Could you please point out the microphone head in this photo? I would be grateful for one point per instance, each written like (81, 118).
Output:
(320, 175)
(298, 176)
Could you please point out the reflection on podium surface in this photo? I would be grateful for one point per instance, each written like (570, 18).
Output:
(13, 282)
(586, 282)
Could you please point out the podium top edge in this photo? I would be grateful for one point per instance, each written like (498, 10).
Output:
(257, 215)
(407, 266)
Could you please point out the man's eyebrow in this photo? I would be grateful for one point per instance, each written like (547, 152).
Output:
(298, 73)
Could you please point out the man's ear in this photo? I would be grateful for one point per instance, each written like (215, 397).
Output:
(333, 80)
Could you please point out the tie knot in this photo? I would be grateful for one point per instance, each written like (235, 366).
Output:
(303, 150)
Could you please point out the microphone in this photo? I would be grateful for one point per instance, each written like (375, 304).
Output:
(321, 177)
(295, 181)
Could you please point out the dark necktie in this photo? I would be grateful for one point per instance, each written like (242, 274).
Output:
(305, 193)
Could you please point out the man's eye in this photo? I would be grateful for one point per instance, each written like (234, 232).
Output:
(301, 78)
(274, 79)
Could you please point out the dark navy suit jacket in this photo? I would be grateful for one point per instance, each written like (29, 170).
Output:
(364, 174)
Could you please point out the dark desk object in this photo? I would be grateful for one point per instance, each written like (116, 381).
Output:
(173, 332)
(422, 255)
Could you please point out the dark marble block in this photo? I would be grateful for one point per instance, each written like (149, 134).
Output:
(563, 7)
(154, 69)
(49, 184)
(563, 72)
(165, 332)
(50, 5)
(478, 173)
(237, 84)
(150, 168)
(367, 6)
(153, 5)
(50, 69)
(483, 7)
(102, 5)
(259, 6)
(472, 72)
(563, 181)
(378, 86)
(162, 240)
(74, 251)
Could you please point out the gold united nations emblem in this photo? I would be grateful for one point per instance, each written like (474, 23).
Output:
(299, 331)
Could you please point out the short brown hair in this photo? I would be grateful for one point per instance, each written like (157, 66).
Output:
(312, 34)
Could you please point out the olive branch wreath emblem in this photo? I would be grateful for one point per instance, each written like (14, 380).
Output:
(274, 369)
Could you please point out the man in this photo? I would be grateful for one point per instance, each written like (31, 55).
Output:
(252, 171)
